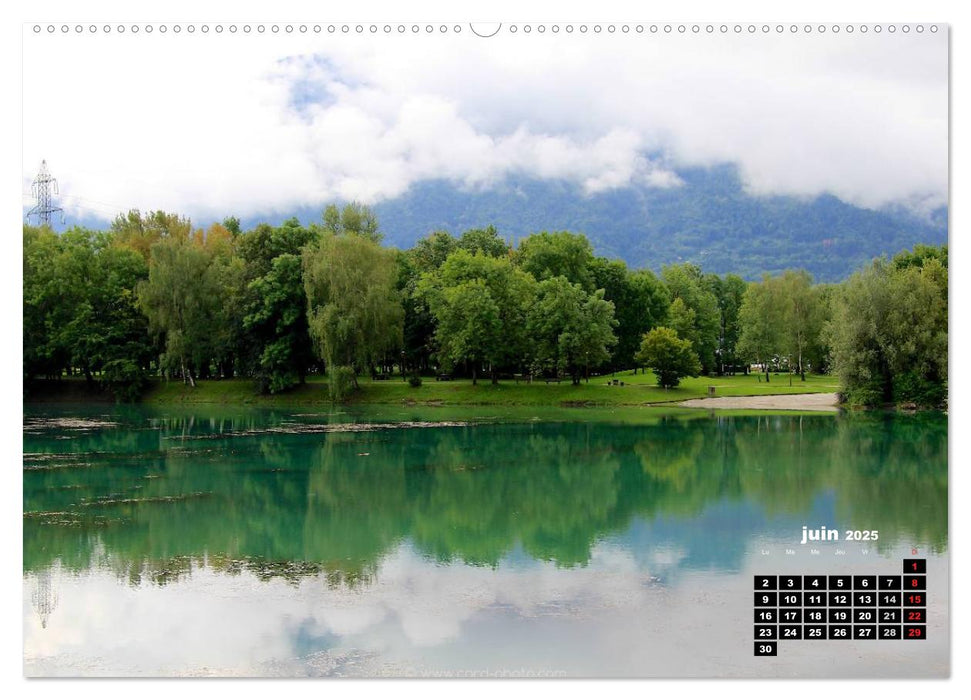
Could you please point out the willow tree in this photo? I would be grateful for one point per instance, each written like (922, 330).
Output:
(888, 333)
(354, 309)
(182, 299)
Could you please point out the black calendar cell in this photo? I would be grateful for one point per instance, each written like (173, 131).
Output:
(840, 583)
(889, 632)
(915, 583)
(768, 583)
(915, 600)
(886, 617)
(840, 632)
(766, 616)
(890, 583)
(915, 631)
(814, 583)
(814, 632)
(915, 616)
(839, 616)
(766, 600)
(890, 599)
(814, 616)
(840, 600)
(814, 600)
(766, 632)
(915, 566)
(765, 649)
(844, 606)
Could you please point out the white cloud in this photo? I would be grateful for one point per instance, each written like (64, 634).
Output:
(218, 124)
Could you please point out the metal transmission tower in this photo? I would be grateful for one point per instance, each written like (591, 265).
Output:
(43, 189)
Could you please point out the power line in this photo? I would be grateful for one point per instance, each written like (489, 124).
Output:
(43, 189)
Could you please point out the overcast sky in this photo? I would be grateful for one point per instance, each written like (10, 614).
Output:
(215, 125)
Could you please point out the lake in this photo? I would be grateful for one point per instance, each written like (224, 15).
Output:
(463, 542)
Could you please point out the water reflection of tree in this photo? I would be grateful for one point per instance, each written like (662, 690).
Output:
(785, 461)
(553, 494)
(335, 504)
(898, 482)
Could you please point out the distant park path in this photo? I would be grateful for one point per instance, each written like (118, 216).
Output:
(785, 402)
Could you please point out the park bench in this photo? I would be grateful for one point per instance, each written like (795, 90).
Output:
(555, 380)
(443, 377)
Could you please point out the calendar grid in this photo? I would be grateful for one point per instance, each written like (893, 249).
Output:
(840, 607)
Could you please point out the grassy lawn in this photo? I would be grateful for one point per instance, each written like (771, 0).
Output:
(638, 390)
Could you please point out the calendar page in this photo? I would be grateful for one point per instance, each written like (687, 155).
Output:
(437, 348)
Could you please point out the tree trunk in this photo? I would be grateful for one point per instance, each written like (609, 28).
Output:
(474, 380)
(187, 376)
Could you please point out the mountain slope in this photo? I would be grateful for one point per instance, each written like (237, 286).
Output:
(710, 220)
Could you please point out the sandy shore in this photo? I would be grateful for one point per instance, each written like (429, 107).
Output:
(784, 402)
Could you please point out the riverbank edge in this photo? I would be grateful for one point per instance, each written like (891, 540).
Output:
(240, 393)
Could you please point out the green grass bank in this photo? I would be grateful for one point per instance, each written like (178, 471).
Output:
(638, 390)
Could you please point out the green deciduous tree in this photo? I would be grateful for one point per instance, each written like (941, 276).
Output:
(469, 328)
(508, 289)
(546, 255)
(729, 292)
(80, 312)
(277, 319)
(354, 307)
(275, 341)
(802, 316)
(181, 299)
(571, 330)
(888, 332)
(668, 356)
(697, 317)
(352, 218)
(761, 319)
(484, 240)
(782, 318)
(640, 301)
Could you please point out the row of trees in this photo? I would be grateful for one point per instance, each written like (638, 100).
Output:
(152, 296)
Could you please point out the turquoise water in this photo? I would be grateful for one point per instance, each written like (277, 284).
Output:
(438, 542)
